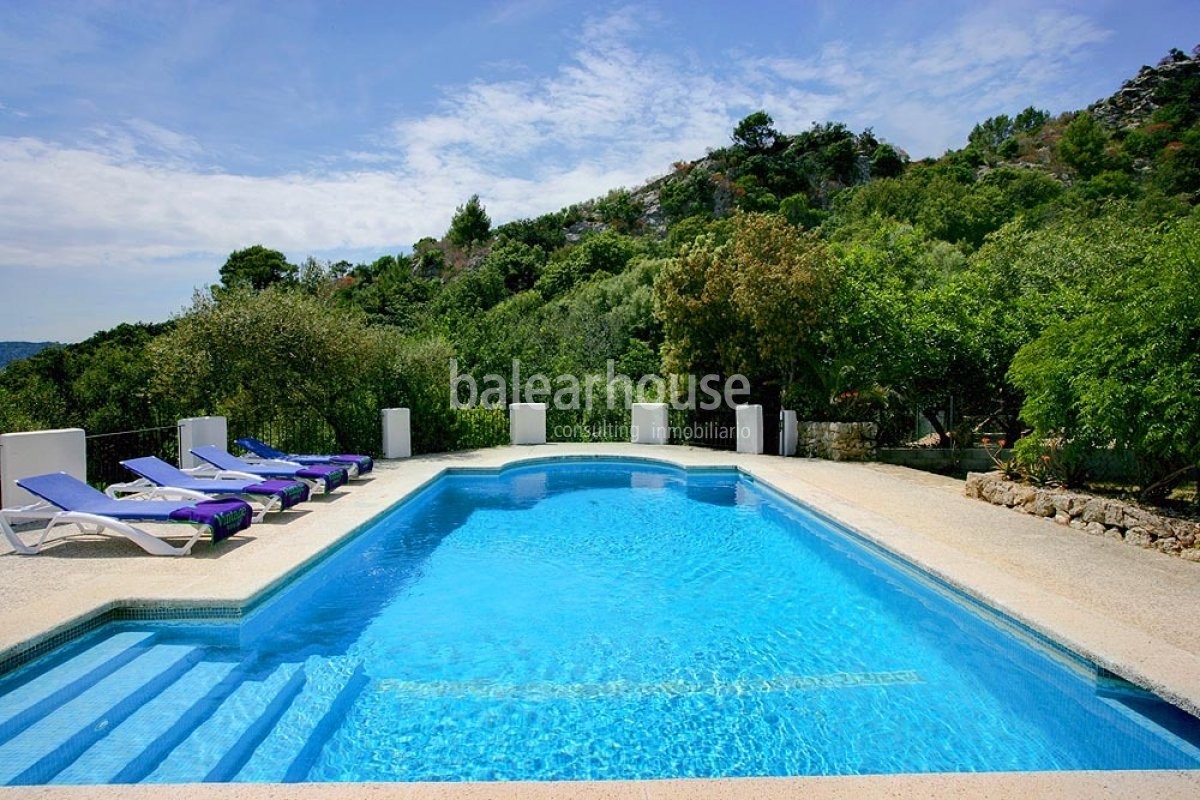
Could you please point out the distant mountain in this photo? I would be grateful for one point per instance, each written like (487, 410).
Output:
(12, 351)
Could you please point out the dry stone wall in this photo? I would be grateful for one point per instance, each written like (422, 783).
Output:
(1098, 516)
(837, 441)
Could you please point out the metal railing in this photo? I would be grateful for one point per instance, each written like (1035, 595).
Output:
(106, 451)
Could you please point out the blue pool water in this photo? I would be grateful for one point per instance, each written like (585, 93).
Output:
(581, 620)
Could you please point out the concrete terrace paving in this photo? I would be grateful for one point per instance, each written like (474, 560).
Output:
(1125, 608)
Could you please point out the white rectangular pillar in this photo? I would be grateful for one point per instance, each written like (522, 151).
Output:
(527, 423)
(397, 435)
(197, 431)
(648, 423)
(789, 432)
(23, 455)
(750, 429)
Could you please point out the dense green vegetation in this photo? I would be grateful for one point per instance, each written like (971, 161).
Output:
(1039, 282)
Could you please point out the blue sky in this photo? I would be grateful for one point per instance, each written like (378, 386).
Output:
(140, 143)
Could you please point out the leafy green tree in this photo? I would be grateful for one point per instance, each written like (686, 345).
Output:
(687, 193)
(1126, 370)
(256, 267)
(989, 134)
(278, 354)
(470, 225)
(886, 162)
(620, 209)
(1030, 120)
(605, 251)
(799, 211)
(518, 263)
(756, 132)
(1179, 165)
(545, 231)
(1082, 145)
(753, 304)
(428, 258)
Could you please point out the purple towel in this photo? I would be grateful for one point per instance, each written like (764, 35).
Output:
(332, 476)
(289, 492)
(224, 517)
(365, 463)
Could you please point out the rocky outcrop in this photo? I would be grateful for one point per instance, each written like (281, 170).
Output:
(837, 441)
(1098, 516)
(1134, 102)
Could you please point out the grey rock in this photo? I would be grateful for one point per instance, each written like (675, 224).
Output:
(1139, 536)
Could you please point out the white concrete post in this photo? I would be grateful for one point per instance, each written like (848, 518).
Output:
(790, 430)
(527, 423)
(197, 431)
(648, 423)
(749, 429)
(397, 435)
(23, 455)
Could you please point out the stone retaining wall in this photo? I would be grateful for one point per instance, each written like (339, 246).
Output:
(837, 441)
(1098, 516)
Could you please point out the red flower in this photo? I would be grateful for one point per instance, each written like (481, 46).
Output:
(986, 440)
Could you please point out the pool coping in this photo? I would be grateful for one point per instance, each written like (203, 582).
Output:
(770, 472)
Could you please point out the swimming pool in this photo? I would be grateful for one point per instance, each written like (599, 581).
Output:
(595, 619)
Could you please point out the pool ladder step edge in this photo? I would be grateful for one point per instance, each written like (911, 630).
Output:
(329, 724)
(45, 768)
(258, 730)
(31, 715)
(156, 751)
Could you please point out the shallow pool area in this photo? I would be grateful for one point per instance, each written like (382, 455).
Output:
(582, 620)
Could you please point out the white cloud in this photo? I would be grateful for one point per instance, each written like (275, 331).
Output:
(137, 198)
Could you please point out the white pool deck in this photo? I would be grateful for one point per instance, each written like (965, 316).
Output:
(1130, 610)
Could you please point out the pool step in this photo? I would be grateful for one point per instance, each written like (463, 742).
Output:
(106, 759)
(49, 745)
(218, 748)
(288, 753)
(28, 702)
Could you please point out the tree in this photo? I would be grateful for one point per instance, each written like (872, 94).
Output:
(257, 267)
(605, 251)
(886, 162)
(1030, 120)
(277, 355)
(620, 209)
(471, 225)
(988, 135)
(1082, 145)
(756, 132)
(753, 304)
(1126, 371)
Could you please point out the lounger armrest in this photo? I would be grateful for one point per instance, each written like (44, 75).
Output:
(117, 490)
(211, 472)
(232, 474)
(172, 493)
(273, 462)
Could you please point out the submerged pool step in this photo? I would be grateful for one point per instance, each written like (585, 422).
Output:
(293, 745)
(107, 758)
(30, 701)
(53, 742)
(217, 749)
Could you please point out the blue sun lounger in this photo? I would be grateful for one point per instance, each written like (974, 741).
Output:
(356, 464)
(70, 501)
(157, 478)
(319, 477)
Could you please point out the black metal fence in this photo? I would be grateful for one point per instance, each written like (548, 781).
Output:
(106, 451)
(309, 432)
(596, 424)
(473, 428)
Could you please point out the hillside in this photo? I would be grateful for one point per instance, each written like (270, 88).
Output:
(11, 351)
(1021, 283)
